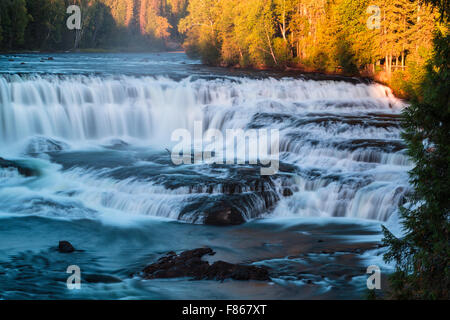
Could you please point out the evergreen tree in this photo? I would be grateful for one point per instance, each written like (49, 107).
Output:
(14, 18)
(422, 255)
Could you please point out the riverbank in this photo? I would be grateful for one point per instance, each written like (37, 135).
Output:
(85, 148)
(94, 50)
(394, 81)
(311, 73)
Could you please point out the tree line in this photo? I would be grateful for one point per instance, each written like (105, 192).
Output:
(347, 36)
(106, 24)
(404, 42)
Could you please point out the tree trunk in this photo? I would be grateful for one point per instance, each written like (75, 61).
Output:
(271, 49)
(386, 64)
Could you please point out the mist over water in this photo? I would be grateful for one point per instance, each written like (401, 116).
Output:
(97, 146)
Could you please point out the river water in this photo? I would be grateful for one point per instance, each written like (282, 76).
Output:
(95, 130)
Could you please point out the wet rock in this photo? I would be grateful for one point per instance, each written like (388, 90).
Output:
(41, 145)
(190, 264)
(287, 192)
(221, 270)
(223, 216)
(187, 264)
(243, 194)
(100, 278)
(65, 247)
(117, 144)
(23, 169)
(226, 209)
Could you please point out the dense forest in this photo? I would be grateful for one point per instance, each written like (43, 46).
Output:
(388, 40)
(404, 43)
(121, 24)
(327, 35)
(373, 37)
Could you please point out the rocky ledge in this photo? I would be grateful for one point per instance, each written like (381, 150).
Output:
(22, 168)
(190, 264)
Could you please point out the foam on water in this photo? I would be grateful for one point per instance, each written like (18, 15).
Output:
(342, 138)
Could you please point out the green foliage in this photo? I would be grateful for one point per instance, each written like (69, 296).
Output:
(46, 25)
(41, 24)
(328, 36)
(320, 60)
(209, 50)
(282, 52)
(200, 25)
(408, 83)
(14, 18)
(333, 35)
(422, 255)
(346, 57)
(98, 25)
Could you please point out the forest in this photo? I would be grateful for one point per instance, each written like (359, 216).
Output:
(403, 43)
(353, 37)
(387, 40)
(125, 25)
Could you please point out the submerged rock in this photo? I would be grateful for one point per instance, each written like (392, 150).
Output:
(41, 145)
(287, 192)
(221, 270)
(117, 144)
(100, 278)
(190, 264)
(21, 168)
(223, 216)
(65, 247)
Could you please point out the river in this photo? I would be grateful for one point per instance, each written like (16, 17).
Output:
(95, 131)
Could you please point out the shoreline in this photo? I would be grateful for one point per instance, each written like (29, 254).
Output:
(322, 75)
(288, 70)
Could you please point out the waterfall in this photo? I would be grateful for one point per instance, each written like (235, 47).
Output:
(82, 107)
(343, 138)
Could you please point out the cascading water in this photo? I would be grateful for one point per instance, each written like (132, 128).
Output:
(341, 141)
(85, 156)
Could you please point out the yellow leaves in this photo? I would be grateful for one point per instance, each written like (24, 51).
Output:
(250, 30)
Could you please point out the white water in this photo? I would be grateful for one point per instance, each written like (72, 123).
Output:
(348, 167)
(80, 107)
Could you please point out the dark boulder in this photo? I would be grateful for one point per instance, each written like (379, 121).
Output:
(23, 169)
(227, 210)
(100, 278)
(223, 216)
(190, 264)
(65, 247)
(221, 270)
(187, 264)
(287, 192)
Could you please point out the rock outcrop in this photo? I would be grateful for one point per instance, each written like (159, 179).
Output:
(190, 264)
(23, 169)
(65, 247)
